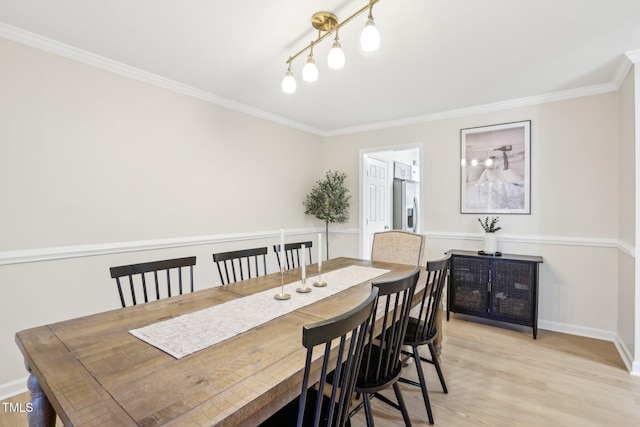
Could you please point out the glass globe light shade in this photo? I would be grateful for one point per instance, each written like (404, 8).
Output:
(310, 71)
(289, 83)
(370, 36)
(336, 57)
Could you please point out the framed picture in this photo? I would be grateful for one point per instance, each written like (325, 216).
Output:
(495, 169)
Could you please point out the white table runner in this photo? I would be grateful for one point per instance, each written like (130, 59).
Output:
(196, 331)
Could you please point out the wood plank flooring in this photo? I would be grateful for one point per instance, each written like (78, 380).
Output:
(501, 376)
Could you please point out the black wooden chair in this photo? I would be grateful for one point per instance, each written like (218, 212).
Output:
(382, 360)
(292, 254)
(421, 330)
(314, 407)
(161, 273)
(232, 262)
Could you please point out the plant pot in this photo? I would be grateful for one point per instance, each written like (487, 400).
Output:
(490, 243)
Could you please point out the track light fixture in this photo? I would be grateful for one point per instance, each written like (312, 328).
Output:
(327, 23)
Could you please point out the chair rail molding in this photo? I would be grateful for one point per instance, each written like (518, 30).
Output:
(543, 240)
(78, 251)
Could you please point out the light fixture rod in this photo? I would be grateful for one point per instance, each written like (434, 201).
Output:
(369, 6)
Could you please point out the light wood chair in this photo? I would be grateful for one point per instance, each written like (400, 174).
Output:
(232, 262)
(139, 274)
(292, 254)
(401, 247)
(404, 247)
(314, 407)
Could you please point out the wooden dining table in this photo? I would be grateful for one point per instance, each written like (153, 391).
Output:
(91, 371)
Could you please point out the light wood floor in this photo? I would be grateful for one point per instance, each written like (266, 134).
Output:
(498, 376)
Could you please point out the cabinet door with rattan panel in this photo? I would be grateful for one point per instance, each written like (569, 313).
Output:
(468, 286)
(513, 291)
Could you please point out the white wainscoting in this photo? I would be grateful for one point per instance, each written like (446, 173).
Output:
(344, 242)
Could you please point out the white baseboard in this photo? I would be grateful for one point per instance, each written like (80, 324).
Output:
(625, 354)
(13, 388)
(582, 331)
(623, 351)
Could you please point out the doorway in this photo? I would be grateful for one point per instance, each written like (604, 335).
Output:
(377, 167)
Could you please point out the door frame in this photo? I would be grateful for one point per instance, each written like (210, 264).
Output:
(370, 151)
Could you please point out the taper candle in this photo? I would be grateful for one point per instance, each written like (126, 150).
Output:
(303, 262)
(282, 260)
(319, 250)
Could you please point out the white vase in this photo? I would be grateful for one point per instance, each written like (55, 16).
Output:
(490, 243)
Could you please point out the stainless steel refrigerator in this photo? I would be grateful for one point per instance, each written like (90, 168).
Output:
(405, 205)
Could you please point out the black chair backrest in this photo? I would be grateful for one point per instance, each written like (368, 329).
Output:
(429, 305)
(232, 262)
(138, 286)
(382, 363)
(292, 254)
(352, 329)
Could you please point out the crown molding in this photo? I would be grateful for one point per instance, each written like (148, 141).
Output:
(633, 56)
(52, 46)
(628, 60)
(481, 109)
(85, 57)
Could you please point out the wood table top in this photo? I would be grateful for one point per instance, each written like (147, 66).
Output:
(94, 372)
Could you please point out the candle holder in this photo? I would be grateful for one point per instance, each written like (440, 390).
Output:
(320, 283)
(282, 295)
(303, 289)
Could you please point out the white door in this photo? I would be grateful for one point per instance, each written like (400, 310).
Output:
(376, 200)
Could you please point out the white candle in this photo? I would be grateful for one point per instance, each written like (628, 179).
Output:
(303, 261)
(319, 250)
(282, 249)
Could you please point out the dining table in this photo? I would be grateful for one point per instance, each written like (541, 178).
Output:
(95, 371)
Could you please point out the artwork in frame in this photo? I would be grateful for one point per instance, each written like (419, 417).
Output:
(495, 169)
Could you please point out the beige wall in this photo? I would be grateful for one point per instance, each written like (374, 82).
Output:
(94, 161)
(90, 156)
(573, 196)
(574, 201)
(108, 170)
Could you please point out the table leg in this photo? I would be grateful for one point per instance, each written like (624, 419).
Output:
(41, 413)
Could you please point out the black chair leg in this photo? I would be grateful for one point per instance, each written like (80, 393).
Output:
(401, 404)
(367, 409)
(423, 384)
(432, 350)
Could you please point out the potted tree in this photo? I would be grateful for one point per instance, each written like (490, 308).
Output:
(328, 201)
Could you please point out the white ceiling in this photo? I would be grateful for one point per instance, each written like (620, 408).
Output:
(436, 55)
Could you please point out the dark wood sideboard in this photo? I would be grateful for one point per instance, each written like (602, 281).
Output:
(503, 288)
